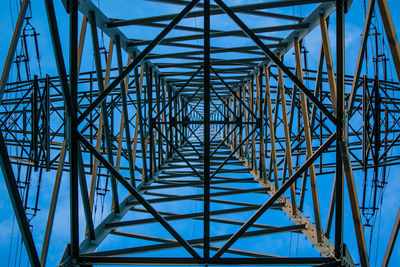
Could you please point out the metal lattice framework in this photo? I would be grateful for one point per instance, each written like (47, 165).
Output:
(196, 127)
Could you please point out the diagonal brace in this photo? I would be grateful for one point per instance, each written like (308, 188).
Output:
(138, 196)
(276, 60)
(273, 198)
(136, 61)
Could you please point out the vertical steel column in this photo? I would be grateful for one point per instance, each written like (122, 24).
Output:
(164, 128)
(271, 128)
(47, 121)
(308, 140)
(81, 42)
(53, 204)
(363, 46)
(260, 124)
(328, 59)
(138, 87)
(35, 122)
(206, 130)
(171, 121)
(252, 120)
(241, 114)
(124, 90)
(74, 143)
(246, 120)
(174, 106)
(158, 109)
(339, 127)
(235, 116)
(56, 43)
(149, 102)
(140, 120)
(85, 197)
(106, 126)
(95, 163)
(179, 117)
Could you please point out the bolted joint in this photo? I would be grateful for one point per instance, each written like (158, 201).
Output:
(66, 259)
(152, 123)
(345, 136)
(173, 121)
(185, 120)
(258, 123)
(239, 121)
(346, 260)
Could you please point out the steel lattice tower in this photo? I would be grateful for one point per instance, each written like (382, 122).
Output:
(205, 150)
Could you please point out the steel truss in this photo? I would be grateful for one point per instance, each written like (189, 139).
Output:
(238, 136)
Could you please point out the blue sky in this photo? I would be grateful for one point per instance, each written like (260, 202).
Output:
(8, 227)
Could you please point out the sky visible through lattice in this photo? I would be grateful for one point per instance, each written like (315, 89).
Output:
(11, 251)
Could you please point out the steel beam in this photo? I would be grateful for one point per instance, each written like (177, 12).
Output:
(207, 100)
(19, 212)
(13, 46)
(136, 61)
(339, 191)
(73, 142)
(138, 196)
(392, 240)
(276, 60)
(390, 34)
(273, 198)
(360, 59)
